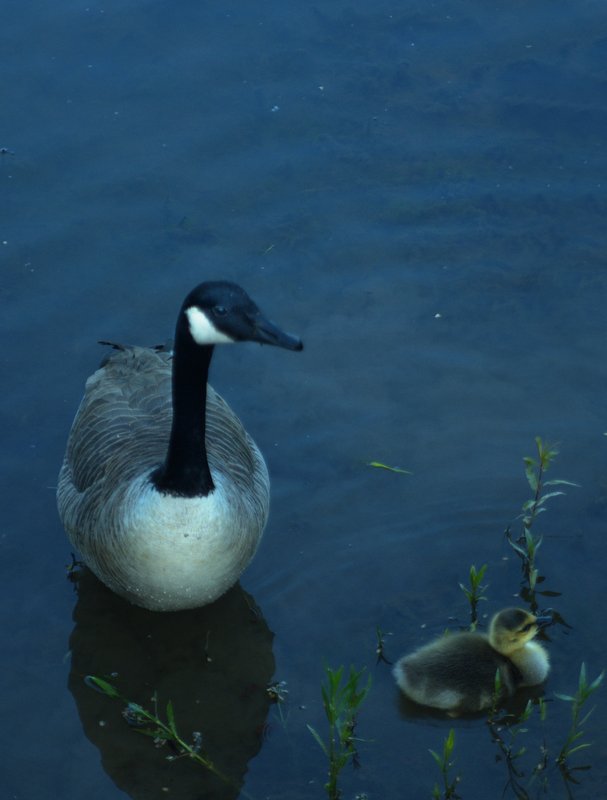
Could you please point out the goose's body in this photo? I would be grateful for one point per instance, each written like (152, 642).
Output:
(167, 503)
(456, 673)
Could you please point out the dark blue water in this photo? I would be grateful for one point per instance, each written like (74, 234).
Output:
(416, 189)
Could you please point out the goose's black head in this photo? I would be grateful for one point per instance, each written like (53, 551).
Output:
(219, 312)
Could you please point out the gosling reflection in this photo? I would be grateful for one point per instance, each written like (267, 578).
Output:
(212, 663)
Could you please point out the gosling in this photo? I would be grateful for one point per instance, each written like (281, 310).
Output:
(457, 673)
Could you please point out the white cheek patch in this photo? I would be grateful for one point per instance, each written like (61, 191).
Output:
(202, 329)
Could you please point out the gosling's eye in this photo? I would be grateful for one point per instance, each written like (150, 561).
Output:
(220, 311)
(527, 627)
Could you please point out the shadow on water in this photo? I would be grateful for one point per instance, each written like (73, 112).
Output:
(214, 664)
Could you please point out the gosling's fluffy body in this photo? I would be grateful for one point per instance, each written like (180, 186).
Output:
(456, 673)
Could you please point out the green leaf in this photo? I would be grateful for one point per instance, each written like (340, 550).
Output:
(152, 733)
(335, 677)
(321, 744)
(102, 686)
(325, 702)
(530, 467)
(579, 747)
(543, 709)
(449, 744)
(171, 718)
(379, 465)
(585, 719)
(527, 712)
(532, 578)
(547, 496)
(516, 547)
(561, 482)
(532, 543)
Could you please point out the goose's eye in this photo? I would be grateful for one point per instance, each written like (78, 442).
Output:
(220, 311)
(527, 627)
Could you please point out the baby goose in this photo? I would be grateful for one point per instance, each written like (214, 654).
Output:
(456, 673)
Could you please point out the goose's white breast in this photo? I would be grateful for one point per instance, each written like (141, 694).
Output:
(178, 552)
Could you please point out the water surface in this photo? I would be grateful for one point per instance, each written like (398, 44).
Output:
(418, 191)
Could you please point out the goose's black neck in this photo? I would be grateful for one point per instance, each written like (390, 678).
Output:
(185, 471)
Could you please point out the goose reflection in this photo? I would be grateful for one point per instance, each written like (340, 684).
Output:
(214, 664)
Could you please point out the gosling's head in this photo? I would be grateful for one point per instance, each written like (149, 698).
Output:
(512, 628)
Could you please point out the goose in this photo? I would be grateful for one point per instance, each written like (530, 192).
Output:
(457, 672)
(162, 490)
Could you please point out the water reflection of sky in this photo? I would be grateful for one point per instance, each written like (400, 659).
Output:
(417, 191)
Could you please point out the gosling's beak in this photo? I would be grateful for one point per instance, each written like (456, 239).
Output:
(267, 332)
(544, 618)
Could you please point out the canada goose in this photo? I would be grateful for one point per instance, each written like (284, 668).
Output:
(167, 503)
(457, 672)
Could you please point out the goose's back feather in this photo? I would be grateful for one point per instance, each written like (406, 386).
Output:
(124, 420)
(106, 499)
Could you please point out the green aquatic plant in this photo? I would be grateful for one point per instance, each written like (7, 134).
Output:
(445, 763)
(527, 544)
(380, 646)
(278, 694)
(379, 465)
(341, 702)
(572, 743)
(509, 733)
(475, 592)
(540, 770)
(73, 570)
(277, 691)
(162, 732)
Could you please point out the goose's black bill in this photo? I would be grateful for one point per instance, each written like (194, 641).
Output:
(266, 332)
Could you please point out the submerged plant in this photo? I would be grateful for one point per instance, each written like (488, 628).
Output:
(341, 703)
(445, 763)
(149, 724)
(475, 592)
(527, 544)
